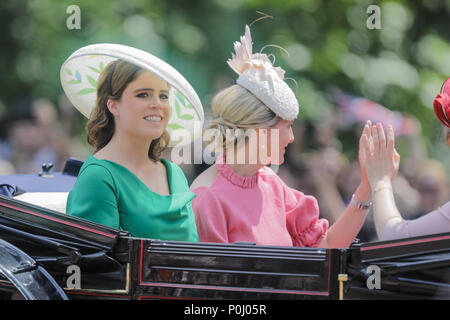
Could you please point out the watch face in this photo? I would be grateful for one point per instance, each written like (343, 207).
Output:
(360, 205)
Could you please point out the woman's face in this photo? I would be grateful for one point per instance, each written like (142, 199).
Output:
(278, 138)
(143, 109)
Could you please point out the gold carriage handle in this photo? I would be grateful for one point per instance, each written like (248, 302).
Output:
(342, 277)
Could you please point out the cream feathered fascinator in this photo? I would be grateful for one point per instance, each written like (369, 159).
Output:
(258, 75)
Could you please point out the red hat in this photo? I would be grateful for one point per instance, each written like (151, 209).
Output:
(441, 104)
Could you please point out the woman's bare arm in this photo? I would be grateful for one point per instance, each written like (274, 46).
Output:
(346, 228)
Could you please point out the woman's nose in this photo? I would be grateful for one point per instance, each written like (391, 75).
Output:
(156, 102)
(291, 135)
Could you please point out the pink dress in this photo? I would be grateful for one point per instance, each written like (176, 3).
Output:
(260, 209)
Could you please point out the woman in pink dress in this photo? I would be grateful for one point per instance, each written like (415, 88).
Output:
(239, 198)
(380, 170)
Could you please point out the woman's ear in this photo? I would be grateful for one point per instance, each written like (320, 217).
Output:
(113, 107)
(261, 136)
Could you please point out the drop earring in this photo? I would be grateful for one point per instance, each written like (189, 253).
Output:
(264, 132)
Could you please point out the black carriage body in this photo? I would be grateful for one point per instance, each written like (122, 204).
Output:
(410, 268)
(236, 271)
(113, 265)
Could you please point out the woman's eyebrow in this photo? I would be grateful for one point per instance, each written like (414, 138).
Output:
(143, 89)
(150, 89)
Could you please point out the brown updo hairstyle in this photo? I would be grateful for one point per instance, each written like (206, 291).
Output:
(110, 85)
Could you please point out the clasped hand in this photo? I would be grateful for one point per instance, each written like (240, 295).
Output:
(377, 156)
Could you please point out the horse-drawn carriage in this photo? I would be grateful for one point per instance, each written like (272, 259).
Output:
(46, 254)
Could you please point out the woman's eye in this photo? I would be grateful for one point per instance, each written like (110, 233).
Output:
(142, 95)
(163, 96)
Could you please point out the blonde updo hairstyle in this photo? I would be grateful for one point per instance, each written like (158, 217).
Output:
(236, 108)
(101, 126)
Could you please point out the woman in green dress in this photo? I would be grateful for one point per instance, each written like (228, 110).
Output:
(125, 183)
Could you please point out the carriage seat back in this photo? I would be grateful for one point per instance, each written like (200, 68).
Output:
(51, 200)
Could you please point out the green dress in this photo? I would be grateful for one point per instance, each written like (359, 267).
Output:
(109, 194)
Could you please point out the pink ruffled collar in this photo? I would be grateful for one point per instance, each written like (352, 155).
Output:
(233, 177)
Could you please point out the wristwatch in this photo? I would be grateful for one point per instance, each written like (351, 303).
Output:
(360, 205)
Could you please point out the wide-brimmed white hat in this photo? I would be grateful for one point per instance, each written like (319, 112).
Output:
(80, 72)
(258, 75)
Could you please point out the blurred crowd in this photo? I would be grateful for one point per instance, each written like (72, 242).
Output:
(37, 133)
(316, 163)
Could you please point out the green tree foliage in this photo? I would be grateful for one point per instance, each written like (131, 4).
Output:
(400, 66)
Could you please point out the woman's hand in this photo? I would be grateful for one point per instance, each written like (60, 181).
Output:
(367, 133)
(381, 160)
